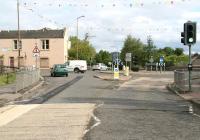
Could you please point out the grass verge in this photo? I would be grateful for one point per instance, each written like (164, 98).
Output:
(7, 78)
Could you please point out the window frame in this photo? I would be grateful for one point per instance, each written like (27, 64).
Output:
(15, 44)
(44, 45)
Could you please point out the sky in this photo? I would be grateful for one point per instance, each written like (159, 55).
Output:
(108, 21)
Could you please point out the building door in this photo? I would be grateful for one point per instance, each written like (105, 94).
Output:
(44, 62)
(21, 60)
(12, 62)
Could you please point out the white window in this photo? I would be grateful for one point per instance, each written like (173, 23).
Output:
(45, 44)
(15, 42)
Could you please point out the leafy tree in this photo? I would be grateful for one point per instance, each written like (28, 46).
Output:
(168, 51)
(85, 50)
(103, 57)
(174, 60)
(149, 49)
(134, 46)
(178, 51)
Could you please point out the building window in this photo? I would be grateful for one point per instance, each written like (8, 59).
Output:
(45, 44)
(16, 44)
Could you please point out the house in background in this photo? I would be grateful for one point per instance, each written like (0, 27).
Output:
(53, 46)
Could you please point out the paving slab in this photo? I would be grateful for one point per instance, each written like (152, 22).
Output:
(45, 121)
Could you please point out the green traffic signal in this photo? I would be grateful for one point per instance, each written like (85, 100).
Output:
(190, 33)
(188, 36)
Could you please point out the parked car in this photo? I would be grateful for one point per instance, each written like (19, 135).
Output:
(59, 70)
(100, 66)
(76, 66)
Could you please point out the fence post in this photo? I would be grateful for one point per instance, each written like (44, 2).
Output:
(7, 78)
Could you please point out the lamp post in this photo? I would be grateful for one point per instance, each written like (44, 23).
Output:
(77, 36)
(19, 36)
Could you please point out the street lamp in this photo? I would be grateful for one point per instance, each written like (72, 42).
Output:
(77, 36)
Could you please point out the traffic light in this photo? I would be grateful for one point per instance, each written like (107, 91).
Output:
(183, 35)
(190, 33)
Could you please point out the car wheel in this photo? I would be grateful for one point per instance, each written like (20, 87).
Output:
(53, 75)
(76, 70)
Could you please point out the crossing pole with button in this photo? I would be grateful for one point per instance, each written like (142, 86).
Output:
(189, 38)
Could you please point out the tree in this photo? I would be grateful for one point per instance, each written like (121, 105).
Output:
(168, 51)
(149, 49)
(103, 57)
(85, 50)
(178, 51)
(134, 46)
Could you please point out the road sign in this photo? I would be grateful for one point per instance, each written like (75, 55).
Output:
(36, 55)
(36, 52)
(161, 59)
(116, 73)
(151, 60)
(128, 57)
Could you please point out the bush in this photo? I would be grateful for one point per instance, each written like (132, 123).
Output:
(135, 68)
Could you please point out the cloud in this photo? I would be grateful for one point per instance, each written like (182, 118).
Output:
(110, 21)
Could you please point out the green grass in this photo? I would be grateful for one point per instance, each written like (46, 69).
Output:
(7, 79)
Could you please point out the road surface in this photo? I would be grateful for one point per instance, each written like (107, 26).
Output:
(140, 109)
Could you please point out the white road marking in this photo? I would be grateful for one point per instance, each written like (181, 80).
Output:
(97, 120)
(191, 111)
(196, 115)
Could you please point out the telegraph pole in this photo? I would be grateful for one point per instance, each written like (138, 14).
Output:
(77, 35)
(77, 40)
(19, 36)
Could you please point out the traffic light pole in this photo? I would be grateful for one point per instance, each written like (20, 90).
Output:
(190, 71)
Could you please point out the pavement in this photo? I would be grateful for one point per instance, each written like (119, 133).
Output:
(193, 96)
(104, 75)
(45, 121)
(8, 96)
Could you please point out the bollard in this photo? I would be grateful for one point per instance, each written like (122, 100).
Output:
(127, 71)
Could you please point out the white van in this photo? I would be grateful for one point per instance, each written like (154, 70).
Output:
(76, 66)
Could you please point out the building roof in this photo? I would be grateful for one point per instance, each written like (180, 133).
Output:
(30, 34)
(196, 61)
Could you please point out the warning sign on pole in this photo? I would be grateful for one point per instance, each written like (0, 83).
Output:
(36, 52)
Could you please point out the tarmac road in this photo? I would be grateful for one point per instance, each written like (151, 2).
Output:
(141, 109)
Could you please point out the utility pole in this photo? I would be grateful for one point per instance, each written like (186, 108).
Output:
(19, 36)
(188, 37)
(190, 71)
(77, 36)
(77, 40)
